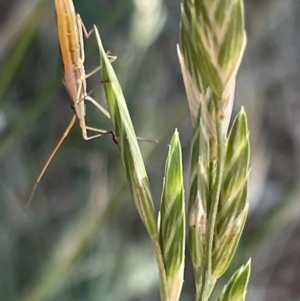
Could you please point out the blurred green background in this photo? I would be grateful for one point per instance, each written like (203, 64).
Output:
(81, 238)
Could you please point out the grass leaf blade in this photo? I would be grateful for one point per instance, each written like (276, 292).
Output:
(127, 142)
(172, 220)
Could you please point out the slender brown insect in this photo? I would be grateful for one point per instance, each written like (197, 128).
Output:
(70, 34)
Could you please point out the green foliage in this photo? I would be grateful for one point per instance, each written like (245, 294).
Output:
(127, 142)
(172, 220)
(233, 205)
(199, 190)
(212, 44)
(168, 241)
(236, 288)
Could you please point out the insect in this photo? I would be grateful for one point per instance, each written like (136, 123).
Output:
(70, 34)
